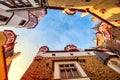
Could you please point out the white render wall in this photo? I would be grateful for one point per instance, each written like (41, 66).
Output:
(33, 3)
(4, 13)
(22, 13)
(4, 7)
(66, 54)
(15, 20)
(16, 17)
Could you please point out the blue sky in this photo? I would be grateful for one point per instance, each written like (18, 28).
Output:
(55, 30)
(62, 29)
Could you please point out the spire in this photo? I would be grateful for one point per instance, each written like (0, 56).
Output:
(95, 28)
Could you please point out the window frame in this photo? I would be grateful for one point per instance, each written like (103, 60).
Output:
(22, 22)
(71, 68)
(3, 18)
(76, 64)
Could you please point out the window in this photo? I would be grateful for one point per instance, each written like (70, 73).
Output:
(3, 18)
(53, 54)
(88, 53)
(44, 79)
(44, 1)
(82, 60)
(71, 54)
(8, 4)
(68, 71)
(36, 1)
(86, 0)
(22, 22)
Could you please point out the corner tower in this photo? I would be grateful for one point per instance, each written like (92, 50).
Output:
(7, 42)
(68, 64)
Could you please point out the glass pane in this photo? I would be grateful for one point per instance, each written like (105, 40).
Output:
(63, 74)
(82, 60)
(66, 66)
(61, 66)
(3, 18)
(69, 74)
(75, 73)
(36, 1)
(72, 66)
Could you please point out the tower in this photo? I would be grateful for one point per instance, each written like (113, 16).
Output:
(21, 14)
(106, 36)
(6, 52)
(99, 9)
(71, 63)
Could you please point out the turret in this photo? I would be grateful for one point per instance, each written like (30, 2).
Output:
(43, 49)
(71, 47)
(9, 44)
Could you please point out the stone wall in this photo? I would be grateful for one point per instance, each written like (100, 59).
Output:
(42, 68)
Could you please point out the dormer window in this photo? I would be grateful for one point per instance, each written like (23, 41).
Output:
(22, 22)
(86, 0)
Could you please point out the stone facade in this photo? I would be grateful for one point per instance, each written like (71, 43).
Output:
(114, 43)
(42, 68)
(98, 8)
(7, 41)
(115, 33)
(113, 46)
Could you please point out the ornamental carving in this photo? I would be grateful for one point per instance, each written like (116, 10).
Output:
(44, 49)
(11, 37)
(71, 48)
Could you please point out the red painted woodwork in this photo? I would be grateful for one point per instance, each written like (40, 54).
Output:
(44, 49)
(11, 37)
(71, 48)
(70, 11)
